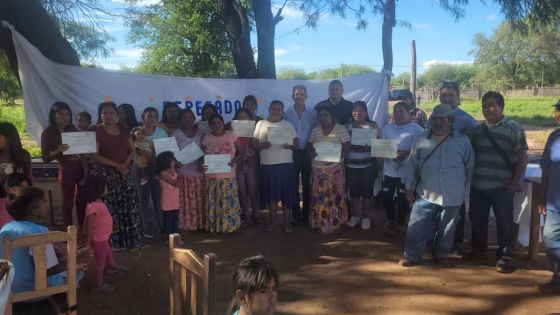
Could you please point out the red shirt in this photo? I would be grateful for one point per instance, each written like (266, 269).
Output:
(115, 148)
(50, 140)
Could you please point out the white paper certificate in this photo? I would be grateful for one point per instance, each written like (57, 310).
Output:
(384, 148)
(243, 128)
(280, 135)
(327, 151)
(79, 142)
(217, 163)
(166, 144)
(203, 126)
(363, 136)
(189, 153)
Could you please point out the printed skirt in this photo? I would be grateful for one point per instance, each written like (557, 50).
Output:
(223, 212)
(328, 198)
(191, 190)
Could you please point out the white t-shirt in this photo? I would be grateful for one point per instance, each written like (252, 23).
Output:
(276, 154)
(406, 134)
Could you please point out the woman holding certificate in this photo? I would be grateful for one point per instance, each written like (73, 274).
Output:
(190, 180)
(361, 167)
(223, 213)
(70, 168)
(170, 117)
(275, 138)
(115, 152)
(329, 144)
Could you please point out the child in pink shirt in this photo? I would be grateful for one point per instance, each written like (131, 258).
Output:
(167, 173)
(98, 228)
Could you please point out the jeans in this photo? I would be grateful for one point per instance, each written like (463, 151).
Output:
(426, 218)
(302, 163)
(151, 217)
(398, 213)
(501, 201)
(460, 228)
(551, 237)
(171, 221)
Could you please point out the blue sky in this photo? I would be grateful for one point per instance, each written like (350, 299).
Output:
(439, 38)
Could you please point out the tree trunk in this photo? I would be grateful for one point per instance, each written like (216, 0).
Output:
(265, 23)
(387, 34)
(32, 21)
(239, 33)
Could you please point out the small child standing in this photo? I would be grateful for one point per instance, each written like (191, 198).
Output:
(167, 173)
(255, 284)
(98, 228)
(83, 121)
(143, 149)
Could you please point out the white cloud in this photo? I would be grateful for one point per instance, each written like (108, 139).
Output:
(351, 24)
(140, 3)
(278, 52)
(129, 53)
(428, 63)
(289, 63)
(491, 17)
(421, 26)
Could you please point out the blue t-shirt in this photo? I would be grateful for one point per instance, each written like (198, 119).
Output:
(158, 134)
(22, 259)
(551, 161)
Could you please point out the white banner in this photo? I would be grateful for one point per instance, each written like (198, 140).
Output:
(45, 82)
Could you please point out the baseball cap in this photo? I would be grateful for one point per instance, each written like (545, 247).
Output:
(442, 110)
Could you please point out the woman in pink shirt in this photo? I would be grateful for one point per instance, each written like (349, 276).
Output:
(166, 168)
(223, 213)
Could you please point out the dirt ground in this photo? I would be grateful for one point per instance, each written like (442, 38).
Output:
(353, 272)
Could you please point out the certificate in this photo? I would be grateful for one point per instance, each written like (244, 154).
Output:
(327, 151)
(384, 148)
(363, 136)
(217, 163)
(166, 144)
(79, 142)
(280, 135)
(243, 128)
(189, 153)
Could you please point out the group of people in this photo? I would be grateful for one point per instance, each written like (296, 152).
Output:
(438, 160)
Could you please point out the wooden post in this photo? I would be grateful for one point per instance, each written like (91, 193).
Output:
(174, 271)
(413, 69)
(209, 298)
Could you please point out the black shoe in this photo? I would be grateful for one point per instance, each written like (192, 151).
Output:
(475, 255)
(443, 262)
(459, 249)
(553, 286)
(408, 263)
(504, 265)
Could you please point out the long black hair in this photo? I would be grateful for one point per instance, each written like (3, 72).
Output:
(103, 105)
(95, 188)
(166, 105)
(130, 120)
(22, 203)
(242, 110)
(55, 108)
(163, 161)
(18, 154)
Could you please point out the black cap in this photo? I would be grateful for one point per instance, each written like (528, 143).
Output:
(557, 105)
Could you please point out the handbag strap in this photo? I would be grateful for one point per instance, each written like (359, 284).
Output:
(498, 149)
(429, 155)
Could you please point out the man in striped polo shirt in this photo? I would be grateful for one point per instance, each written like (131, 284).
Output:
(500, 150)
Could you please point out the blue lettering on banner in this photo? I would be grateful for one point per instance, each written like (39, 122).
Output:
(227, 106)
(198, 105)
(237, 105)
(218, 106)
(224, 107)
(189, 104)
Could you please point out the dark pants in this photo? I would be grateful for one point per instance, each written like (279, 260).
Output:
(302, 163)
(69, 177)
(360, 181)
(460, 228)
(151, 217)
(501, 201)
(396, 208)
(171, 221)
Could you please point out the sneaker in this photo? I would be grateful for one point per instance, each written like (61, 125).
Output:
(147, 235)
(105, 288)
(365, 224)
(553, 286)
(459, 249)
(408, 263)
(353, 222)
(504, 265)
(143, 181)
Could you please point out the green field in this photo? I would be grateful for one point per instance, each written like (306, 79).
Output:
(536, 111)
(15, 115)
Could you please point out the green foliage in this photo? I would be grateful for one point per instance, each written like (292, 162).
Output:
(182, 38)
(15, 115)
(9, 85)
(290, 73)
(438, 73)
(535, 111)
(402, 79)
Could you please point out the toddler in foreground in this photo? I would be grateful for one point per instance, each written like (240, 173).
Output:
(97, 230)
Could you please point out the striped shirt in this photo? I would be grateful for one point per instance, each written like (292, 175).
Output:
(490, 169)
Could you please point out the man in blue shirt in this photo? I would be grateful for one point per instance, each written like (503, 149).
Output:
(550, 165)
(436, 174)
(303, 119)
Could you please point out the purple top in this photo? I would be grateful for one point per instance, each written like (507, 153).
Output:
(550, 164)
(190, 169)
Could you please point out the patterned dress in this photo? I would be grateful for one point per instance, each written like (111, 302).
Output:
(191, 187)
